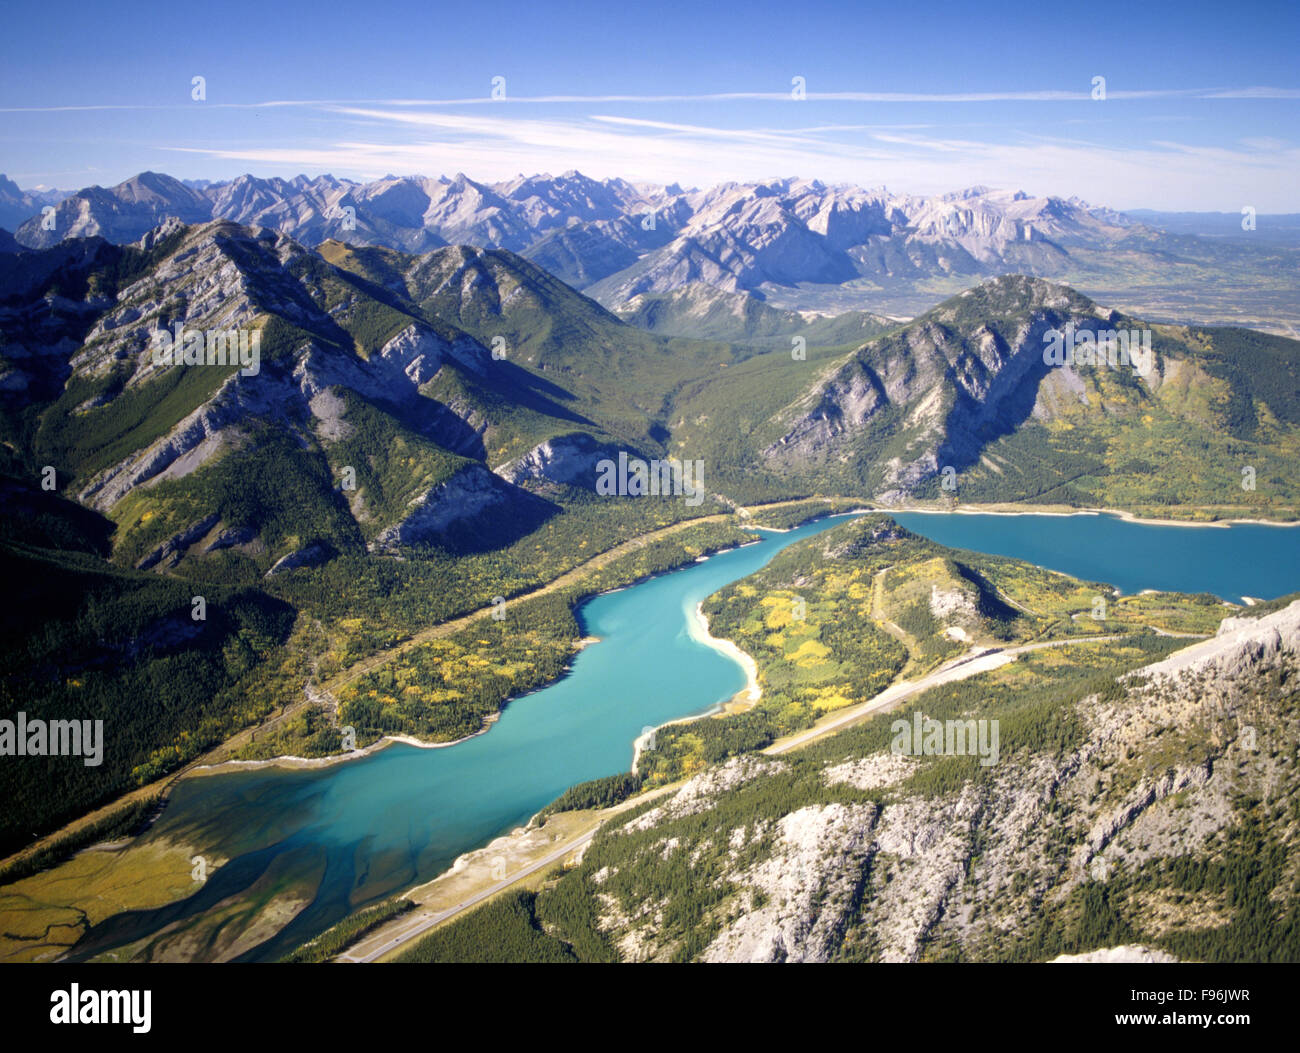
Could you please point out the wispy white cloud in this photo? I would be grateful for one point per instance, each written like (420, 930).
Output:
(1253, 93)
(499, 145)
(1264, 142)
(1040, 95)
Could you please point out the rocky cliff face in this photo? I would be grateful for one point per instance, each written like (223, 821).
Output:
(221, 279)
(467, 495)
(569, 459)
(936, 393)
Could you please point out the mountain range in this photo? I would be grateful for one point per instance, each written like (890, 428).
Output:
(801, 243)
(18, 205)
(462, 382)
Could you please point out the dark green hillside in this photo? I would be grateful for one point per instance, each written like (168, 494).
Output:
(86, 643)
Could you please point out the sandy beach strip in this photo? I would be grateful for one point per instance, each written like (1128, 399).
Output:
(697, 627)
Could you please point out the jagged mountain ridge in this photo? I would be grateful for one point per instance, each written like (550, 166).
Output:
(18, 205)
(798, 243)
(787, 232)
(629, 238)
(352, 374)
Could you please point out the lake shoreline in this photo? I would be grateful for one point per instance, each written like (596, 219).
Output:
(999, 509)
(292, 762)
(684, 611)
(295, 763)
(697, 627)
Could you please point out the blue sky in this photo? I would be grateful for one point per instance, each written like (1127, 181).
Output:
(1202, 107)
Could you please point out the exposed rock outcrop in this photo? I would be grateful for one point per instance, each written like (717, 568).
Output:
(470, 493)
(569, 459)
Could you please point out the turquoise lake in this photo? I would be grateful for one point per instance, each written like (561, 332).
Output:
(352, 833)
(1241, 559)
(367, 828)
